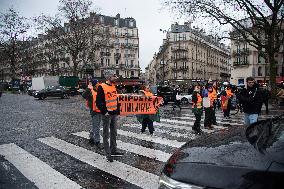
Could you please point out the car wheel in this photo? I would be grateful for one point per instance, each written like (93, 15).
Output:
(65, 95)
(184, 101)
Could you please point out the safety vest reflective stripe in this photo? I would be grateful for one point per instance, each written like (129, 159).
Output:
(110, 96)
(198, 104)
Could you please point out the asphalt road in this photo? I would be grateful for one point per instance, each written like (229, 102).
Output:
(44, 144)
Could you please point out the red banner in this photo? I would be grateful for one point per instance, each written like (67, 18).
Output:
(138, 104)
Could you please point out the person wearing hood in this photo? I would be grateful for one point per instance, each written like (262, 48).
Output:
(91, 95)
(108, 105)
(251, 98)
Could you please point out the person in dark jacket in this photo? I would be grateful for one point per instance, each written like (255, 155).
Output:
(108, 105)
(90, 95)
(251, 99)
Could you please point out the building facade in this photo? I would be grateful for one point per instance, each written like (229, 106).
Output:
(188, 55)
(120, 52)
(247, 61)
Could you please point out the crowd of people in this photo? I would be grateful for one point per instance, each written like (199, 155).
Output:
(102, 101)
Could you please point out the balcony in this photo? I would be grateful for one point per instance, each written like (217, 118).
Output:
(243, 52)
(178, 49)
(179, 58)
(241, 63)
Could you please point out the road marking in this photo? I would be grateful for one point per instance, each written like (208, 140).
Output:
(35, 170)
(154, 139)
(140, 150)
(126, 172)
(180, 127)
(187, 122)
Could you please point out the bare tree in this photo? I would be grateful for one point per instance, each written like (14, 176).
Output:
(75, 35)
(12, 31)
(259, 23)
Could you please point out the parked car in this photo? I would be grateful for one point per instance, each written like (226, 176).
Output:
(165, 92)
(238, 158)
(184, 98)
(52, 91)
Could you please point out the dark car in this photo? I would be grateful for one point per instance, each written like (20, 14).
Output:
(251, 158)
(166, 92)
(52, 91)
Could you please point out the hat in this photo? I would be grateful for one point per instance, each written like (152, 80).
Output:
(94, 82)
(109, 73)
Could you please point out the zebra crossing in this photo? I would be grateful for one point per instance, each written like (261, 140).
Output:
(139, 167)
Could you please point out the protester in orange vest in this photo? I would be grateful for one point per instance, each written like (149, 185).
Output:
(90, 95)
(197, 109)
(108, 105)
(209, 109)
(147, 119)
(225, 104)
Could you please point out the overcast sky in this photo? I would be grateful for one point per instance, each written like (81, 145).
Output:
(148, 14)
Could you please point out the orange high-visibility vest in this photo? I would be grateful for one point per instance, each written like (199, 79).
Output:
(198, 104)
(110, 96)
(94, 106)
(214, 94)
(229, 92)
(148, 93)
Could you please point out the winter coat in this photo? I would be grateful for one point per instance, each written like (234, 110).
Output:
(251, 99)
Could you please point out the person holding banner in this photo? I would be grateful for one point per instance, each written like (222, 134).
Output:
(147, 119)
(91, 95)
(107, 103)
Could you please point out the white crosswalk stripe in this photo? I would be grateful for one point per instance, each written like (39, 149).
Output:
(171, 133)
(35, 170)
(131, 174)
(140, 150)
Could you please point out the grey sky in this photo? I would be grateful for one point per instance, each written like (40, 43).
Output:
(149, 18)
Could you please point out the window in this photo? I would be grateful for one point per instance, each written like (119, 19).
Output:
(175, 75)
(107, 62)
(259, 71)
(117, 72)
(101, 19)
(116, 22)
(175, 37)
(132, 73)
(102, 61)
(175, 65)
(131, 23)
(132, 63)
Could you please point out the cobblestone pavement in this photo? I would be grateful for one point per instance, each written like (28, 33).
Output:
(44, 144)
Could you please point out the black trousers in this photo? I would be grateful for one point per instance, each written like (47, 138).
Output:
(209, 117)
(196, 125)
(147, 123)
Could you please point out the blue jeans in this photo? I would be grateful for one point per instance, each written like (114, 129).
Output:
(250, 118)
(96, 122)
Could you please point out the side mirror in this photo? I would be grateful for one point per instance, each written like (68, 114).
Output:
(267, 136)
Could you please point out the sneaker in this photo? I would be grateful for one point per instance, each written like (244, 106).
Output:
(99, 146)
(109, 159)
(116, 153)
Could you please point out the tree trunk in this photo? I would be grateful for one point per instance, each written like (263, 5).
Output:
(273, 72)
(75, 65)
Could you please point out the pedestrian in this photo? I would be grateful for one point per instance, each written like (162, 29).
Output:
(251, 99)
(147, 119)
(214, 96)
(225, 104)
(176, 92)
(90, 95)
(197, 109)
(209, 108)
(230, 94)
(108, 105)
